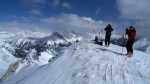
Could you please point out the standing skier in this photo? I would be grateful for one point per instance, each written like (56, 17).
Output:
(108, 30)
(131, 32)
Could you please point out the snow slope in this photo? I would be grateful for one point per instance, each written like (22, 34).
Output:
(88, 63)
(142, 44)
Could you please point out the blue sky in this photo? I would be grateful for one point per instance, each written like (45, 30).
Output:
(79, 15)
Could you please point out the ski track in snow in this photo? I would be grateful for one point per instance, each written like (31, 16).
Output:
(114, 69)
(93, 64)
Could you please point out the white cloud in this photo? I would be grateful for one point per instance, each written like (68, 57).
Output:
(138, 11)
(16, 26)
(66, 5)
(58, 3)
(75, 22)
(9, 26)
(58, 23)
(134, 9)
(98, 10)
(25, 18)
(36, 12)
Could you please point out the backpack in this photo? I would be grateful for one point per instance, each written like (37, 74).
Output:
(97, 41)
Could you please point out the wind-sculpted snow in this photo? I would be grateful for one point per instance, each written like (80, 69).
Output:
(88, 63)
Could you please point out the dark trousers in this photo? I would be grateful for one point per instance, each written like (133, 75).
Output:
(129, 46)
(107, 39)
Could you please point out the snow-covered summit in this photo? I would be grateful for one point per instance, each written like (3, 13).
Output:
(88, 63)
(54, 37)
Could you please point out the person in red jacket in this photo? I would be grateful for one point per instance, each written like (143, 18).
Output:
(131, 32)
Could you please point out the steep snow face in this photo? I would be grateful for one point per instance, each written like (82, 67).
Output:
(142, 44)
(54, 38)
(148, 49)
(33, 58)
(71, 36)
(87, 63)
(62, 37)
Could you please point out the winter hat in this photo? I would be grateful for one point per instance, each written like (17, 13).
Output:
(131, 27)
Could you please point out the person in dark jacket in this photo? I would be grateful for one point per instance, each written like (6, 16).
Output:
(108, 30)
(131, 32)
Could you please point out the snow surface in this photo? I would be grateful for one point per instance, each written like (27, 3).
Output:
(88, 63)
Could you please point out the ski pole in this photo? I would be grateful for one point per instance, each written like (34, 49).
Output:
(122, 46)
(93, 36)
(99, 36)
(124, 37)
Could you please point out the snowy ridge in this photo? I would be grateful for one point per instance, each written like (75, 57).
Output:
(142, 44)
(71, 36)
(88, 63)
(54, 38)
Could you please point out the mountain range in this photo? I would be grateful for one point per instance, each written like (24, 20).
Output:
(31, 47)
